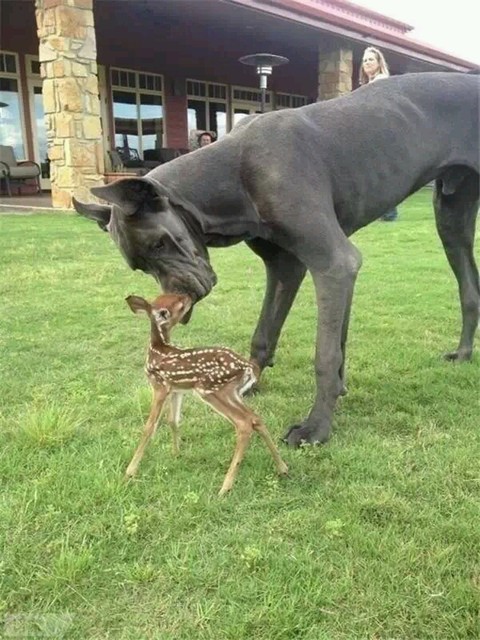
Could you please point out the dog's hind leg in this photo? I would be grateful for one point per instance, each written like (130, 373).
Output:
(455, 215)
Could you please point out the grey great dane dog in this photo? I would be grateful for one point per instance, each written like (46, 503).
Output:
(295, 185)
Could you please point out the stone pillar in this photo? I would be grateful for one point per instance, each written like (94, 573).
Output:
(68, 64)
(335, 70)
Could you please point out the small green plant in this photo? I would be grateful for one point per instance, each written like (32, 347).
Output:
(47, 425)
(251, 556)
(130, 523)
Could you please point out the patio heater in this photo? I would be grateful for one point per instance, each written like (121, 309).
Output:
(264, 63)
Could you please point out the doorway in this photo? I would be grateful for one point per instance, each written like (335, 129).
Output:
(40, 146)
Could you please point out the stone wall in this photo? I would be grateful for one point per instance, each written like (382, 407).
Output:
(335, 70)
(68, 63)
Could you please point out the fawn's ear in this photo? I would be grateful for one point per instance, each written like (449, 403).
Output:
(138, 304)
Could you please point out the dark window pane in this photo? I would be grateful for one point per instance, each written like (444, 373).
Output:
(195, 88)
(151, 115)
(283, 100)
(217, 91)
(41, 132)
(11, 64)
(218, 118)
(125, 117)
(8, 63)
(11, 123)
(197, 118)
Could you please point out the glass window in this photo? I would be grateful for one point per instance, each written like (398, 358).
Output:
(137, 112)
(239, 114)
(151, 119)
(217, 91)
(10, 119)
(218, 118)
(149, 82)
(8, 63)
(207, 107)
(195, 88)
(126, 120)
(35, 67)
(41, 131)
(197, 114)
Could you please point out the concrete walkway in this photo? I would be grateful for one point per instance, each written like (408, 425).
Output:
(26, 204)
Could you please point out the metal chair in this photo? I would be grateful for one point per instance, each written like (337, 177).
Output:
(130, 158)
(11, 170)
(118, 164)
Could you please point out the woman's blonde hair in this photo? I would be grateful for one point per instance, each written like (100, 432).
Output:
(362, 77)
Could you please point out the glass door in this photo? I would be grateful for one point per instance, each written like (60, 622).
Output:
(39, 132)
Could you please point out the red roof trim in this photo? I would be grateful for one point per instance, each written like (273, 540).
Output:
(313, 9)
(345, 7)
(346, 13)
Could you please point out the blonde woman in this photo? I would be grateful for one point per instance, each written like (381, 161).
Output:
(374, 67)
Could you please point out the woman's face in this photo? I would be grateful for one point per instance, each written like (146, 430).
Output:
(205, 139)
(370, 63)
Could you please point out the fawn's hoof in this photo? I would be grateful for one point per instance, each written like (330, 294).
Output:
(282, 469)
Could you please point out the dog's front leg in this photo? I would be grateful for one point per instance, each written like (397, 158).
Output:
(285, 274)
(334, 286)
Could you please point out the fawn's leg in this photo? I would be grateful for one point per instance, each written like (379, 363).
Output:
(174, 419)
(262, 431)
(159, 396)
(259, 426)
(243, 427)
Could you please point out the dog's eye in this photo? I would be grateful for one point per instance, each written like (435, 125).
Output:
(159, 245)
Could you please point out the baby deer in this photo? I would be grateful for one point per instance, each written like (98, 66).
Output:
(217, 375)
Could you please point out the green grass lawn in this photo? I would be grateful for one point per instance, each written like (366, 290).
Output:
(374, 536)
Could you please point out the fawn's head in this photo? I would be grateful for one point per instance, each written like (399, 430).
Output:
(165, 311)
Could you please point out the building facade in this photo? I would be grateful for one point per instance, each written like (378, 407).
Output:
(80, 78)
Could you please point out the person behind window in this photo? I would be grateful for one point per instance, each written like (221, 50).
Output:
(204, 139)
(374, 67)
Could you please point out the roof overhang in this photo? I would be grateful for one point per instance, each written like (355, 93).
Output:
(318, 15)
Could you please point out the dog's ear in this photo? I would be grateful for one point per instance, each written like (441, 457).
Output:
(130, 194)
(100, 213)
